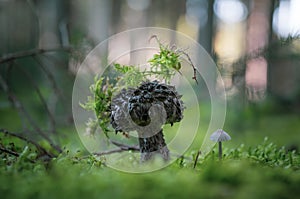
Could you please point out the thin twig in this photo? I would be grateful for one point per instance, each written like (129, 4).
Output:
(42, 99)
(156, 38)
(196, 159)
(121, 148)
(9, 151)
(181, 51)
(191, 63)
(7, 79)
(32, 52)
(118, 150)
(121, 145)
(50, 76)
(18, 105)
(56, 61)
(39, 147)
(124, 147)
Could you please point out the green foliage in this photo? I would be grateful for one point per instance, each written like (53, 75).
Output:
(131, 76)
(254, 172)
(166, 63)
(163, 66)
(100, 104)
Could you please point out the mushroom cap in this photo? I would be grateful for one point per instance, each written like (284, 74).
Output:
(152, 103)
(220, 136)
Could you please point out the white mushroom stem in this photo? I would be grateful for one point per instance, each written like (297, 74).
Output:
(220, 136)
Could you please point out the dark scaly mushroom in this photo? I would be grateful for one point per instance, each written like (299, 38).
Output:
(145, 109)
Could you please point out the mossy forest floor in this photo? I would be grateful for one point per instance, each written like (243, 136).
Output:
(253, 167)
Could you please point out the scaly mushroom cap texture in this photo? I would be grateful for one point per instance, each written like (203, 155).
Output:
(151, 104)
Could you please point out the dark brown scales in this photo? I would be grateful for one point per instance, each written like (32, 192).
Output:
(145, 110)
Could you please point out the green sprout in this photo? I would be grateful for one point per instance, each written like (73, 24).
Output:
(163, 66)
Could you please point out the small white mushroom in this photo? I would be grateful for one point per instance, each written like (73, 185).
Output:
(220, 136)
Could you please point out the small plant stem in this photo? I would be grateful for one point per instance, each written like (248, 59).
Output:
(220, 150)
(196, 159)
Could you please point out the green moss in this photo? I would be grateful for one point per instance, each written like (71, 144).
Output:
(262, 171)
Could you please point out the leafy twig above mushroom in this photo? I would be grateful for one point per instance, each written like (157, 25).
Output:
(131, 102)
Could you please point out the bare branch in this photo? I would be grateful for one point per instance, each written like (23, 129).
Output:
(18, 105)
(196, 159)
(121, 145)
(121, 148)
(118, 150)
(32, 52)
(42, 99)
(39, 147)
(191, 63)
(9, 151)
(50, 76)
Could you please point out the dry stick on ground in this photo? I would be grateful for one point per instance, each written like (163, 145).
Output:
(9, 151)
(121, 147)
(118, 150)
(124, 147)
(39, 147)
(18, 105)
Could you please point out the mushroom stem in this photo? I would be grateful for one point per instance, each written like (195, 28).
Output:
(220, 150)
(152, 145)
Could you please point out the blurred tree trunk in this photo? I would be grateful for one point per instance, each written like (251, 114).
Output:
(54, 33)
(284, 77)
(258, 32)
(116, 16)
(206, 27)
(49, 13)
(19, 29)
(284, 72)
(90, 20)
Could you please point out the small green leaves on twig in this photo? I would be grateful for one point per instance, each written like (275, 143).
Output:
(100, 103)
(164, 65)
(131, 76)
(168, 61)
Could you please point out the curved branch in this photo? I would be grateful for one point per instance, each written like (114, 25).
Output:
(49, 75)
(9, 151)
(191, 63)
(32, 52)
(39, 147)
(18, 105)
(42, 99)
(118, 150)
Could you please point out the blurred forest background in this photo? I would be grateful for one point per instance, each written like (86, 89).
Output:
(255, 44)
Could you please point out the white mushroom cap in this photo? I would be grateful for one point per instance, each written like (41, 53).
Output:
(220, 136)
